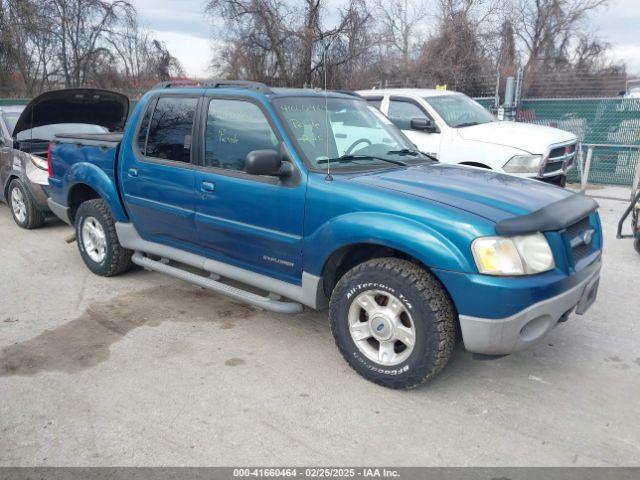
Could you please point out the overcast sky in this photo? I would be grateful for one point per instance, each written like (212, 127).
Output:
(182, 25)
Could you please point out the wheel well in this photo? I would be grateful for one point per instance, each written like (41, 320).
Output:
(345, 258)
(475, 164)
(79, 194)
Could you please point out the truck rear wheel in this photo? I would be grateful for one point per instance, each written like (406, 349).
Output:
(97, 240)
(393, 322)
(23, 207)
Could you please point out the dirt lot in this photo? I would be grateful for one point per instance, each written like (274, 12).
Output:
(146, 370)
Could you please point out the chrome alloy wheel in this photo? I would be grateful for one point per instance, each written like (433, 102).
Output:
(381, 327)
(17, 205)
(94, 239)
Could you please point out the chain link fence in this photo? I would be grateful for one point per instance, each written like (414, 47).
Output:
(610, 126)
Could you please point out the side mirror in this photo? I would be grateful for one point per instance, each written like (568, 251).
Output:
(263, 162)
(423, 124)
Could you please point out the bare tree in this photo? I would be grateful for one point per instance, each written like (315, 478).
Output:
(545, 27)
(400, 21)
(143, 59)
(79, 28)
(28, 47)
(275, 41)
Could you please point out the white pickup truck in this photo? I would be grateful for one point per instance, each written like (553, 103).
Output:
(455, 129)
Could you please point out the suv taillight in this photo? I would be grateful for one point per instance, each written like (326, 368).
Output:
(49, 160)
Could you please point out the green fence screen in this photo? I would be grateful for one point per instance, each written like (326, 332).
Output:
(614, 122)
(7, 102)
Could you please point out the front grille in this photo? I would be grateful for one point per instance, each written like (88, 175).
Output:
(576, 238)
(560, 158)
(553, 166)
(560, 151)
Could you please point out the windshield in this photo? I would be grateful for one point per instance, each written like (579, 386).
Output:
(355, 135)
(459, 110)
(10, 120)
(48, 132)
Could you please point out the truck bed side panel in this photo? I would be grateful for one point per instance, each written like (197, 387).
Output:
(88, 161)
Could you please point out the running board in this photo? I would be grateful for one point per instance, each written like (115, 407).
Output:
(266, 303)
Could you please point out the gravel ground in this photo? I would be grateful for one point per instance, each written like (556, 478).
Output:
(146, 370)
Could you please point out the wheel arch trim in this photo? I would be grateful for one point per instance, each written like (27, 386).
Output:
(410, 237)
(84, 173)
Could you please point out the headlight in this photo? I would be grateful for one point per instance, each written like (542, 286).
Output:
(523, 164)
(522, 255)
(41, 163)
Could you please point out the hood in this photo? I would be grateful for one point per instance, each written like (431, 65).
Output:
(75, 105)
(531, 138)
(492, 195)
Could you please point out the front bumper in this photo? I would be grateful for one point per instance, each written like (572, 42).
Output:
(36, 181)
(506, 335)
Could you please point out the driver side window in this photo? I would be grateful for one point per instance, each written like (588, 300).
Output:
(402, 111)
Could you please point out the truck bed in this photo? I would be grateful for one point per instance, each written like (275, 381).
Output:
(100, 149)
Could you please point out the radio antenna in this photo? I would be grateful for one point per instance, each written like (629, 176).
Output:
(328, 178)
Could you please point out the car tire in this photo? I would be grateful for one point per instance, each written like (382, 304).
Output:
(636, 245)
(23, 207)
(98, 241)
(392, 297)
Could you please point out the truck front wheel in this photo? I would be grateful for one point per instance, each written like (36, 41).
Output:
(393, 322)
(97, 240)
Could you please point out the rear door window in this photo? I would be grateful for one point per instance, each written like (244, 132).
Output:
(171, 129)
(143, 131)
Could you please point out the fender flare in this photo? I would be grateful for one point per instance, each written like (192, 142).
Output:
(84, 173)
(388, 230)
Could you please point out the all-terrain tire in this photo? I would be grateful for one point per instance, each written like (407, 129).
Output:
(34, 217)
(117, 259)
(431, 309)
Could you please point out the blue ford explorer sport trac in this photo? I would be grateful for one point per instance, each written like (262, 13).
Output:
(316, 199)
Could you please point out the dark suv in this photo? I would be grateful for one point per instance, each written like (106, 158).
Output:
(25, 133)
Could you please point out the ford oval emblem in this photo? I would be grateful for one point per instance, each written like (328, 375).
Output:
(380, 327)
(587, 236)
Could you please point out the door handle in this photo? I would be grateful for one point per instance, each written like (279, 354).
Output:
(208, 186)
(133, 172)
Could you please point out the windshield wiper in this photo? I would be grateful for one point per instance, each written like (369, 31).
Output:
(467, 124)
(407, 151)
(404, 151)
(350, 158)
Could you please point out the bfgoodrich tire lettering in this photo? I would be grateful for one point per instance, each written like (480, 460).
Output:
(116, 259)
(433, 320)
